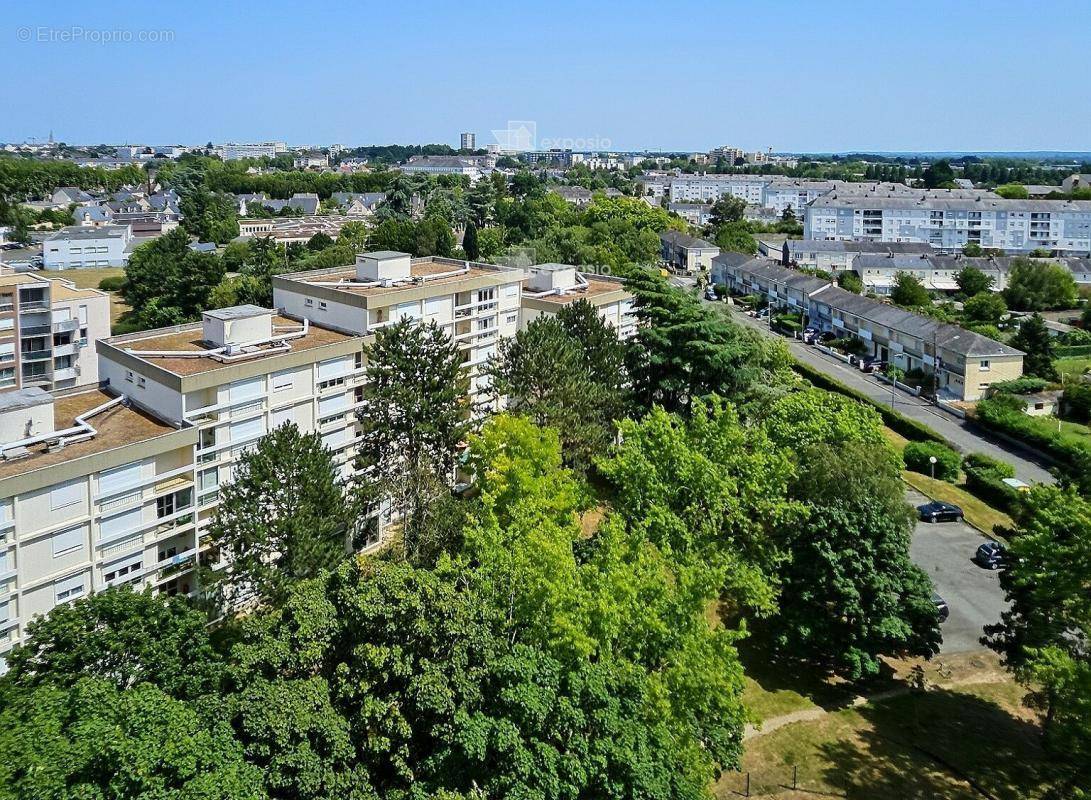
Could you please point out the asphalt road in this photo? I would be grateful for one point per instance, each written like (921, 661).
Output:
(961, 434)
(944, 550)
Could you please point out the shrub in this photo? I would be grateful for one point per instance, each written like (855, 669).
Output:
(985, 479)
(918, 454)
(1076, 401)
(114, 284)
(1028, 384)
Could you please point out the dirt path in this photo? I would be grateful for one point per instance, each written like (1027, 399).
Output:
(812, 714)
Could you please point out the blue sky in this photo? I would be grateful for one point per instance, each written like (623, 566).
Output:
(831, 76)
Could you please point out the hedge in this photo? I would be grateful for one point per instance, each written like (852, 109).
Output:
(985, 479)
(909, 428)
(1077, 401)
(1027, 384)
(1004, 413)
(114, 284)
(918, 457)
(1068, 351)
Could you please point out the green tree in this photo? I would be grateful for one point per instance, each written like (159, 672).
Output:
(972, 281)
(121, 637)
(1039, 286)
(320, 241)
(850, 282)
(469, 242)
(909, 292)
(95, 740)
(354, 234)
(167, 272)
(814, 416)
(282, 518)
(736, 238)
(413, 417)
(985, 308)
(849, 592)
(1012, 191)
(939, 175)
(1043, 635)
(972, 250)
(1035, 340)
(726, 209)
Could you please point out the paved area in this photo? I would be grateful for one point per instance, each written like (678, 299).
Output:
(945, 550)
(963, 435)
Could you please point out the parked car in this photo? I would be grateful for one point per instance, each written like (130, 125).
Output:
(764, 312)
(939, 512)
(871, 364)
(942, 608)
(810, 335)
(710, 293)
(990, 555)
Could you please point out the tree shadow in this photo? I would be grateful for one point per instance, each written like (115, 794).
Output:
(938, 744)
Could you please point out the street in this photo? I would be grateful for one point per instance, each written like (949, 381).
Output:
(959, 433)
(944, 550)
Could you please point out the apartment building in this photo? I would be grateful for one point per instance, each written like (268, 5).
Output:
(709, 188)
(687, 253)
(964, 364)
(780, 195)
(473, 167)
(48, 330)
(1060, 226)
(879, 272)
(232, 151)
(837, 256)
(78, 246)
(477, 304)
(550, 287)
(94, 492)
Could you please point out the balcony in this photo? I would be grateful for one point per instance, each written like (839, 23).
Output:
(69, 349)
(28, 331)
(66, 325)
(35, 355)
(66, 374)
(30, 306)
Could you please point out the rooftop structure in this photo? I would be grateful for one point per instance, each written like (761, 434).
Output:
(550, 287)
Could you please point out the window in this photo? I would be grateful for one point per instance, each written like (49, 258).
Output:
(129, 375)
(250, 389)
(334, 404)
(334, 368)
(122, 567)
(120, 524)
(435, 306)
(308, 302)
(64, 495)
(208, 479)
(511, 319)
(69, 588)
(281, 416)
(68, 541)
(140, 383)
(321, 305)
(282, 381)
(173, 503)
(113, 481)
(984, 366)
(247, 430)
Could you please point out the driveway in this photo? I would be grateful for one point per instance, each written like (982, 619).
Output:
(944, 550)
(964, 436)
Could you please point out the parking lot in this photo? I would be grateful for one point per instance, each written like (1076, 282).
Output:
(944, 550)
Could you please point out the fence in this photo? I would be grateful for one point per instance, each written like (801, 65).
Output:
(774, 781)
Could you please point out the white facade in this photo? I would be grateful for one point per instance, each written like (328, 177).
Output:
(80, 246)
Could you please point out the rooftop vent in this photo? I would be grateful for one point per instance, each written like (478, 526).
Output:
(227, 327)
(384, 266)
(551, 277)
(25, 413)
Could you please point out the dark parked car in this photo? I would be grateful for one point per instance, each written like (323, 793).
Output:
(871, 364)
(942, 608)
(990, 555)
(810, 335)
(939, 512)
(710, 293)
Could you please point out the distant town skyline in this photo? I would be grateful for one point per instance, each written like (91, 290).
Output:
(797, 78)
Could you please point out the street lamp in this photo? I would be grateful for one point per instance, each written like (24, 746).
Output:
(932, 461)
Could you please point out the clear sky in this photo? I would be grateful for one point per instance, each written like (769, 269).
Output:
(795, 76)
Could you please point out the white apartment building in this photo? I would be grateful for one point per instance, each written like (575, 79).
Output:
(1060, 226)
(477, 304)
(94, 492)
(473, 167)
(48, 331)
(232, 151)
(80, 246)
(710, 188)
(837, 256)
(550, 287)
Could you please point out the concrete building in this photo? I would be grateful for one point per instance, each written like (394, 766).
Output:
(1076, 181)
(311, 159)
(698, 214)
(576, 195)
(477, 304)
(710, 188)
(550, 287)
(48, 330)
(87, 246)
(233, 150)
(467, 141)
(964, 364)
(473, 167)
(837, 256)
(687, 253)
(1060, 226)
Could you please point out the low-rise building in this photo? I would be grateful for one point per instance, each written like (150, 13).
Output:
(550, 287)
(699, 214)
(687, 253)
(473, 167)
(576, 195)
(311, 159)
(837, 256)
(963, 364)
(78, 246)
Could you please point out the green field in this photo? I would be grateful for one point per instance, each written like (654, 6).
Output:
(1071, 367)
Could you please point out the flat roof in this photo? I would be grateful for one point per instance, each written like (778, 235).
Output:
(29, 397)
(116, 427)
(245, 311)
(425, 268)
(190, 339)
(597, 288)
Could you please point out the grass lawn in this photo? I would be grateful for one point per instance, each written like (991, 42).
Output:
(88, 278)
(911, 745)
(978, 513)
(1076, 365)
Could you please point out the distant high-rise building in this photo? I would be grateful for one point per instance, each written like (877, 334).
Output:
(468, 141)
